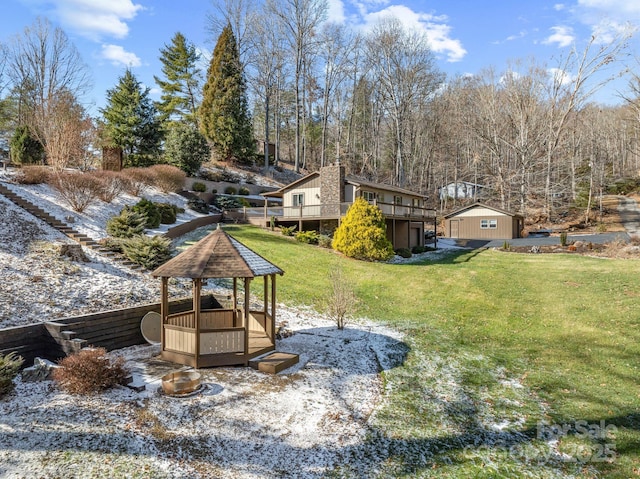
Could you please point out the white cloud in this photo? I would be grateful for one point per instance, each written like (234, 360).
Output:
(92, 19)
(558, 75)
(434, 27)
(118, 56)
(336, 11)
(619, 9)
(563, 36)
(558, 7)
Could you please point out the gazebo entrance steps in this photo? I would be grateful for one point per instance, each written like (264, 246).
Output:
(274, 362)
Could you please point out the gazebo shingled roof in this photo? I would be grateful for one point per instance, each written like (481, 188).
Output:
(217, 255)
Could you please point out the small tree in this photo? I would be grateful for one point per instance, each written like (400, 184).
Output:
(362, 233)
(127, 224)
(25, 149)
(341, 301)
(148, 251)
(9, 369)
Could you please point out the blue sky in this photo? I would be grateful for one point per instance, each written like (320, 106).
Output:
(465, 35)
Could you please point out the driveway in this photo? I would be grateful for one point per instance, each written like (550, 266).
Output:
(629, 214)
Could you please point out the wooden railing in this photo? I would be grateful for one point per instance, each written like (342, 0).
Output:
(390, 210)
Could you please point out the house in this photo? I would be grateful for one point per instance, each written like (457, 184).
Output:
(480, 221)
(461, 190)
(319, 200)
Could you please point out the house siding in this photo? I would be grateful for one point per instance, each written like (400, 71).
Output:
(468, 224)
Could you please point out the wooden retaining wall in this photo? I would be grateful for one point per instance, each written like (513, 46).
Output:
(114, 329)
(185, 228)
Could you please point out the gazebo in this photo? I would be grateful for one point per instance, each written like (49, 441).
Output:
(218, 337)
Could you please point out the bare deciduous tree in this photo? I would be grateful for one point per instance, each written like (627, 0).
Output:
(341, 300)
(48, 73)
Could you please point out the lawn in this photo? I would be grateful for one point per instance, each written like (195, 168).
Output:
(519, 365)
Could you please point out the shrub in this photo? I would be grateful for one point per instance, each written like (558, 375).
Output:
(112, 244)
(199, 187)
(230, 190)
(287, 230)
(147, 251)
(24, 148)
(78, 190)
(563, 238)
(33, 175)
(9, 368)
(341, 300)
(362, 233)
(196, 204)
(127, 224)
(324, 241)
(226, 202)
(602, 228)
(113, 184)
(309, 237)
(403, 252)
(418, 249)
(149, 210)
(244, 191)
(168, 213)
(89, 371)
(168, 178)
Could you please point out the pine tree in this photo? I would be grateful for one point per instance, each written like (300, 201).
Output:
(362, 233)
(181, 83)
(224, 113)
(131, 122)
(186, 148)
(25, 149)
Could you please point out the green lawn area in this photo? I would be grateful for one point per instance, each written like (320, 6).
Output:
(498, 342)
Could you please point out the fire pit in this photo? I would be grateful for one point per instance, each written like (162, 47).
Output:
(179, 383)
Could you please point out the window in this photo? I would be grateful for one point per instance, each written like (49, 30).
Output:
(369, 195)
(397, 200)
(488, 224)
(298, 199)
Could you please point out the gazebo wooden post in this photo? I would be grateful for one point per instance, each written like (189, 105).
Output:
(247, 282)
(273, 308)
(164, 308)
(197, 287)
(234, 307)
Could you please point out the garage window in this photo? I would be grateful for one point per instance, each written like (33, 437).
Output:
(488, 224)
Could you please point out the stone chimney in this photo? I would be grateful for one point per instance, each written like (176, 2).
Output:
(332, 188)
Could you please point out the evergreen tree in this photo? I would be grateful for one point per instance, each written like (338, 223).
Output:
(131, 122)
(362, 233)
(25, 149)
(181, 83)
(186, 148)
(224, 114)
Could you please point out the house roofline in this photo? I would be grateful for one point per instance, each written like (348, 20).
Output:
(483, 205)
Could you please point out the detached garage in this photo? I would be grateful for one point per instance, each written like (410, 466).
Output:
(479, 221)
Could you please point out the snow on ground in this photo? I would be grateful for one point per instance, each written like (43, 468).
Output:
(309, 421)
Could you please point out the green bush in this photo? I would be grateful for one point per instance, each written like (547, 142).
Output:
(112, 244)
(186, 148)
(404, 252)
(127, 224)
(563, 238)
(90, 371)
(230, 190)
(147, 251)
(149, 210)
(196, 204)
(324, 241)
(199, 187)
(24, 148)
(362, 233)
(244, 191)
(227, 202)
(309, 237)
(168, 213)
(9, 368)
(418, 249)
(287, 230)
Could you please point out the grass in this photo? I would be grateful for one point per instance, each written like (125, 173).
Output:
(499, 343)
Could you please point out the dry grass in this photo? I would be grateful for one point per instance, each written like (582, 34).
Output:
(89, 371)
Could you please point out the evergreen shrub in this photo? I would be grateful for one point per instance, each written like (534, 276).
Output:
(230, 190)
(196, 204)
(199, 187)
(309, 237)
(404, 252)
(127, 224)
(149, 210)
(90, 371)
(324, 241)
(287, 230)
(9, 368)
(147, 251)
(244, 191)
(168, 213)
(362, 233)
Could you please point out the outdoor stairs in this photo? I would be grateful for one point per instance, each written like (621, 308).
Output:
(65, 229)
